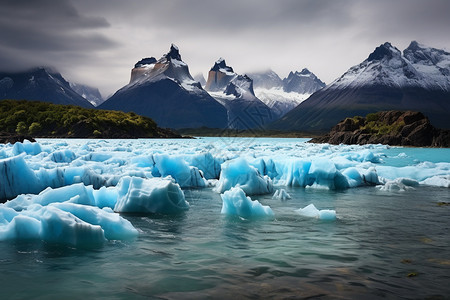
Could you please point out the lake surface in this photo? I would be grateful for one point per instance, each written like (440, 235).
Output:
(383, 244)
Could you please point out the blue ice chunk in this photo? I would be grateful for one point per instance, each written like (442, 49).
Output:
(26, 147)
(106, 197)
(21, 227)
(17, 178)
(63, 227)
(441, 181)
(312, 212)
(399, 184)
(281, 194)
(265, 167)
(236, 203)
(6, 214)
(294, 172)
(97, 156)
(63, 156)
(153, 195)
(238, 172)
(84, 175)
(114, 226)
(178, 168)
(209, 165)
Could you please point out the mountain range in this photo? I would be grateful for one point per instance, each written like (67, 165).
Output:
(417, 79)
(163, 89)
(282, 95)
(41, 84)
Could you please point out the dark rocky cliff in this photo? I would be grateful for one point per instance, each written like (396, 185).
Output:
(396, 128)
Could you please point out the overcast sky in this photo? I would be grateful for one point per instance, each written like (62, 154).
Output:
(98, 42)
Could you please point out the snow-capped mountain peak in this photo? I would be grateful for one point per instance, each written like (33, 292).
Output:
(384, 51)
(221, 66)
(304, 82)
(169, 66)
(239, 86)
(418, 66)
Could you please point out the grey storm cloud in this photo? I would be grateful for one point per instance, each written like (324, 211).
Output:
(36, 30)
(98, 42)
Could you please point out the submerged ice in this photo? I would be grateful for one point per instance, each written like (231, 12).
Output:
(79, 186)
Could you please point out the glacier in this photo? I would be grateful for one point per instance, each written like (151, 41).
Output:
(78, 192)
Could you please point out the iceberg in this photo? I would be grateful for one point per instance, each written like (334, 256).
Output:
(26, 147)
(154, 195)
(236, 203)
(238, 172)
(17, 178)
(399, 184)
(177, 167)
(65, 223)
(281, 194)
(312, 212)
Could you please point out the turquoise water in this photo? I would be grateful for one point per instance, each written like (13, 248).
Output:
(382, 245)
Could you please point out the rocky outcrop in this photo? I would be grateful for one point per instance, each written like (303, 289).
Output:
(396, 128)
(6, 137)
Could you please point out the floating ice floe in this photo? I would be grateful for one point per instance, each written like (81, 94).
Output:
(154, 195)
(79, 215)
(399, 184)
(281, 194)
(440, 181)
(238, 172)
(236, 203)
(312, 212)
(177, 167)
(64, 223)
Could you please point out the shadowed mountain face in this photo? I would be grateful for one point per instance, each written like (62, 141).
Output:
(418, 80)
(40, 84)
(165, 91)
(235, 92)
(89, 93)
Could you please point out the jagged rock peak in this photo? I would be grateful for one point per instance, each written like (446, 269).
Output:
(305, 71)
(220, 64)
(174, 53)
(145, 61)
(382, 51)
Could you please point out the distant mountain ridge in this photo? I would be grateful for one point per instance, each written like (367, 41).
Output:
(42, 84)
(165, 91)
(89, 93)
(235, 92)
(283, 95)
(418, 79)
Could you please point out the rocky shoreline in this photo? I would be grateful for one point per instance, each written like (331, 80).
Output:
(395, 128)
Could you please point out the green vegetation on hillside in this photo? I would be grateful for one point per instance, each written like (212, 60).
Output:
(374, 123)
(42, 119)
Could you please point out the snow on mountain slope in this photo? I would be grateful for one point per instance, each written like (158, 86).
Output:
(418, 80)
(280, 101)
(284, 95)
(420, 66)
(266, 80)
(304, 82)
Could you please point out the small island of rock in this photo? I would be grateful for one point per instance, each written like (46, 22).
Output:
(395, 128)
